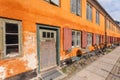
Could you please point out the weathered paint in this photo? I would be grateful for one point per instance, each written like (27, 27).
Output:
(31, 12)
(2, 73)
(31, 61)
(29, 50)
(26, 62)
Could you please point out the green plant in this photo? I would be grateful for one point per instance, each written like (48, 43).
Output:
(64, 70)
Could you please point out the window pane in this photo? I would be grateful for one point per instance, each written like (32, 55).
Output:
(73, 38)
(87, 11)
(11, 28)
(78, 38)
(12, 49)
(57, 2)
(97, 39)
(90, 13)
(48, 34)
(52, 35)
(44, 34)
(12, 39)
(89, 39)
(73, 6)
(97, 17)
(79, 7)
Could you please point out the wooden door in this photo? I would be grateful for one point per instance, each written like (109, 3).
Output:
(47, 49)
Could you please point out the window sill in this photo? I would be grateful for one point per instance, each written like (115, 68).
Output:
(76, 14)
(12, 55)
(98, 24)
(75, 46)
(89, 20)
(9, 56)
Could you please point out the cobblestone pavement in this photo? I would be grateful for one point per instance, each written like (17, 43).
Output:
(115, 73)
(105, 68)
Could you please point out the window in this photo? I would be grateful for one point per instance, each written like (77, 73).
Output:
(47, 35)
(97, 39)
(73, 38)
(108, 24)
(76, 38)
(89, 39)
(97, 17)
(52, 35)
(76, 7)
(89, 12)
(54, 2)
(10, 38)
(44, 34)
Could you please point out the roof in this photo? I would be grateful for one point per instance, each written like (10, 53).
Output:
(107, 15)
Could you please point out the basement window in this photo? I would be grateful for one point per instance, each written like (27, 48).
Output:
(10, 44)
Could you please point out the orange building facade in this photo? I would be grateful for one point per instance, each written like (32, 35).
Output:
(37, 35)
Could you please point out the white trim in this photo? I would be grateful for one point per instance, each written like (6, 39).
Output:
(75, 39)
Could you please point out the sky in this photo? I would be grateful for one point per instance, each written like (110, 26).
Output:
(112, 7)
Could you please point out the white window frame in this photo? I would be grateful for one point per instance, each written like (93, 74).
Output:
(4, 21)
(89, 37)
(76, 39)
(73, 39)
(77, 5)
(97, 39)
(97, 17)
(47, 31)
(89, 12)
